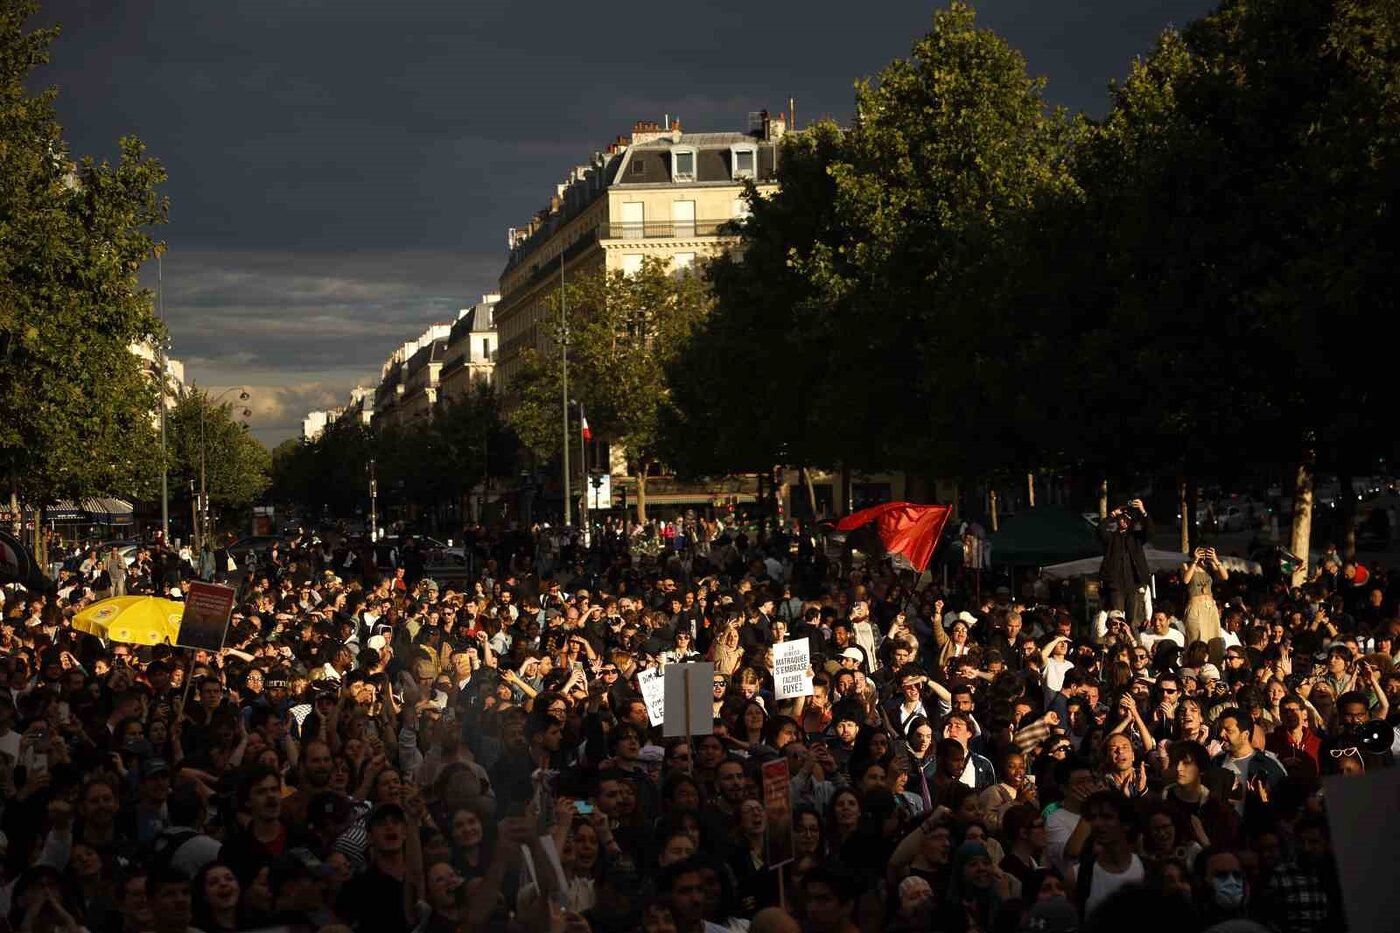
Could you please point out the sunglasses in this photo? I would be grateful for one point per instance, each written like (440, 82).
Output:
(1343, 752)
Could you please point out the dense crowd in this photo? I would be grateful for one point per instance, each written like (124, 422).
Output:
(376, 750)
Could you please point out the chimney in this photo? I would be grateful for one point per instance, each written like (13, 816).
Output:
(644, 131)
(775, 128)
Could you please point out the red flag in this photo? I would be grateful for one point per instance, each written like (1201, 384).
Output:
(583, 424)
(904, 528)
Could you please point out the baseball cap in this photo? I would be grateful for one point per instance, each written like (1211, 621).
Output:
(1117, 614)
(853, 654)
(652, 754)
(1208, 672)
(154, 767)
(377, 642)
(385, 811)
(1052, 915)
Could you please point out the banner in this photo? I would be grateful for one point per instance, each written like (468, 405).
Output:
(653, 686)
(777, 804)
(689, 690)
(208, 607)
(792, 669)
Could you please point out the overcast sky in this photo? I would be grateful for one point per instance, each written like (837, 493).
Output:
(342, 172)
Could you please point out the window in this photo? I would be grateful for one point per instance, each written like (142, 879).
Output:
(682, 164)
(684, 262)
(743, 161)
(633, 217)
(631, 263)
(638, 167)
(741, 210)
(683, 218)
(486, 348)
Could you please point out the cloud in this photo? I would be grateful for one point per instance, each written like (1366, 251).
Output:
(342, 173)
(301, 329)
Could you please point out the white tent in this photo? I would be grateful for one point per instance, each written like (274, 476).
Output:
(1157, 562)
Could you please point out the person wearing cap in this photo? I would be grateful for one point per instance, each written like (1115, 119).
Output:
(374, 899)
(144, 819)
(296, 880)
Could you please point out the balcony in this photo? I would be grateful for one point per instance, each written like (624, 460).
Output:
(665, 229)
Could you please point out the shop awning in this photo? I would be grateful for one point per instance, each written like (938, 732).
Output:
(65, 511)
(97, 510)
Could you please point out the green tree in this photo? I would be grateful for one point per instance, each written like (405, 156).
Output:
(761, 342)
(625, 333)
(867, 308)
(73, 235)
(207, 438)
(1241, 196)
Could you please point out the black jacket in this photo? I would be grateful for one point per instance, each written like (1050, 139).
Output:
(1124, 562)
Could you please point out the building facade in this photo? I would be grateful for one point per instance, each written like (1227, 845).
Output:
(470, 357)
(408, 379)
(315, 422)
(657, 193)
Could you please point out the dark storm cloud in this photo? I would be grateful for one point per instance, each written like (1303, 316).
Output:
(343, 171)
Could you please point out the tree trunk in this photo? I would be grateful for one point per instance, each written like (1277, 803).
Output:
(1103, 499)
(1348, 510)
(41, 551)
(1183, 506)
(642, 493)
(992, 508)
(1302, 515)
(811, 491)
(1030, 490)
(16, 520)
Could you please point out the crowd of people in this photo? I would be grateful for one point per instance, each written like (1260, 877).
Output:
(375, 750)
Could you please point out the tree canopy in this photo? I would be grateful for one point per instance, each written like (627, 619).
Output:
(73, 235)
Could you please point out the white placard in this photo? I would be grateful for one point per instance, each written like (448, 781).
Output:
(792, 665)
(699, 700)
(654, 694)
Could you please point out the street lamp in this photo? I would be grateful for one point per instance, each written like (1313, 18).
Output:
(201, 527)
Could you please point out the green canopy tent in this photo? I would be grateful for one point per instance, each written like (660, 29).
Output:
(1042, 536)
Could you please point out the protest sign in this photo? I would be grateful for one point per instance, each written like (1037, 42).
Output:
(1365, 811)
(777, 803)
(208, 607)
(689, 706)
(654, 694)
(792, 669)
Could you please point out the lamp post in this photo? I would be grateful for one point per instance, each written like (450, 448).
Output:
(583, 472)
(201, 527)
(373, 501)
(164, 385)
(564, 350)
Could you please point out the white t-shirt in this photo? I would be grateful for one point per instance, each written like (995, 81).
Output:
(1059, 826)
(1106, 882)
(1055, 670)
(1149, 639)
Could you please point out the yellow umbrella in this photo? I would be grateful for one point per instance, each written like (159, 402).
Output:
(136, 620)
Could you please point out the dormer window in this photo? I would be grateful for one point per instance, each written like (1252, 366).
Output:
(682, 164)
(743, 161)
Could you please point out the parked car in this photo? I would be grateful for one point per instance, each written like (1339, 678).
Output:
(435, 552)
(259, 544)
